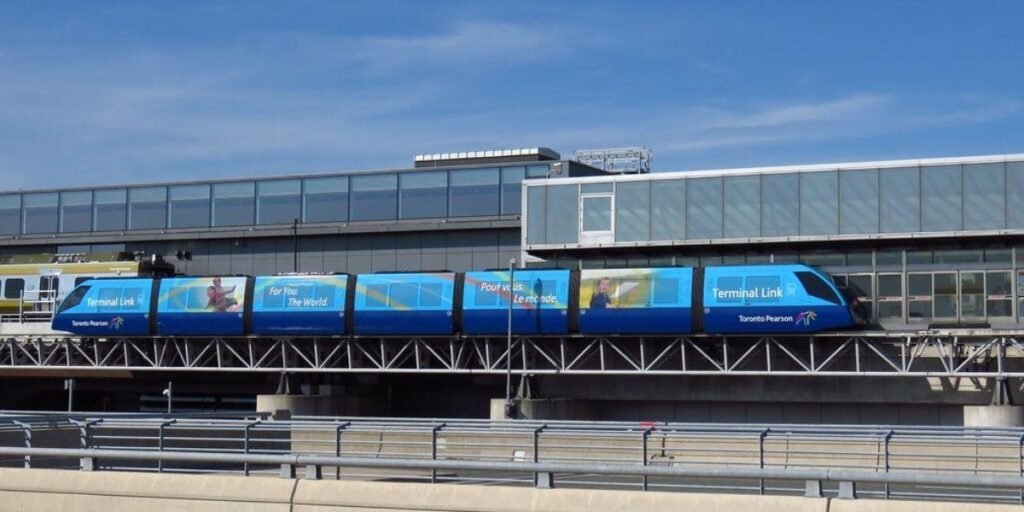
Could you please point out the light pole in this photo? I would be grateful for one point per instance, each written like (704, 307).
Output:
(169, 393)
(69, 385)
(509, 408)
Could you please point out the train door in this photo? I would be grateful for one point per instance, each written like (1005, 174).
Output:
(49, 287)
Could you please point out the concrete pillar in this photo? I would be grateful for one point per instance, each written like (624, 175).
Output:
(328, 401)
(547, 409)
(993, 416)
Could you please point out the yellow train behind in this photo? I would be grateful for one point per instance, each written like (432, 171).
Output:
(37, 282)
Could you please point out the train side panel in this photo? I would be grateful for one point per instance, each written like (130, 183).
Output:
(208, 306)
(398, 304)
(772, 299)
(299, 305)
(636, 301)
(106, 307)
(541, 302)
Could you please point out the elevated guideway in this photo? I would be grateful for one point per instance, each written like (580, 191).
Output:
(995, 354)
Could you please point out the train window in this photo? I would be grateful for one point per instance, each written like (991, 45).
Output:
(377, 295)
(325, 292)
(485, 298)
(666, 291)
(273, 298)
(73, 299)
(430, 294)
(768, 288)
(108, 299)
(13, 288)
(730, 289)
(404, 295)
(80, 280)
(131, 298)
(815, 286)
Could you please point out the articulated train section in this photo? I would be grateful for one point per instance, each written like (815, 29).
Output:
(969, 354)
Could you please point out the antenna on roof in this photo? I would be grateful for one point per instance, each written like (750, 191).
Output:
(632, 160)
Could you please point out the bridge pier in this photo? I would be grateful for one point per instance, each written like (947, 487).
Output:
(322, 400)
(993, 416)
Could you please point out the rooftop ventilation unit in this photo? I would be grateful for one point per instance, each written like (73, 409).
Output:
(635, 160)
(490, 156)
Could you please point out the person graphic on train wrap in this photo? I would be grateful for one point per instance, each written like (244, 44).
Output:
(600, 299)
(220, 298)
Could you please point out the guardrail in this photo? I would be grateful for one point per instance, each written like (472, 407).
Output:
(960, 463)
(543, 473)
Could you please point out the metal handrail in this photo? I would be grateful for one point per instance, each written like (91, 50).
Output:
(549, 468)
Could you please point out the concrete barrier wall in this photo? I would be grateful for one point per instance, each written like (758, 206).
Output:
(48, 490)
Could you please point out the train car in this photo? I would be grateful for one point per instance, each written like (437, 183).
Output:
(405, 303)
(300, 305)
(772, 299)
(636, 301)
(540, 302)
(212, 306)
(38, 282)
(107, 307)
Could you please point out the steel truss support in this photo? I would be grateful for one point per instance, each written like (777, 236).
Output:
(928, 354)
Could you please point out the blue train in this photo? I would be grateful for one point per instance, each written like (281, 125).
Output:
(670, 300)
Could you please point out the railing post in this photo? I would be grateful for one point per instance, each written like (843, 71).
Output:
(314, 472)
(812, 489)
(1020, 457)
(27, 434)
(643, 452)
(888, 438)
(544, 480)
(760, 458)
(160, 444)
(287, 471)
(245, 444)
(536, 458)
(847, 490)
(337, 447)
(433, 450)
(86, 463)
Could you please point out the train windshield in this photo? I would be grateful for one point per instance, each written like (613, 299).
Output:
(73, 298)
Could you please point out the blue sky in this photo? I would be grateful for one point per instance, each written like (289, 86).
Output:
(123, 92)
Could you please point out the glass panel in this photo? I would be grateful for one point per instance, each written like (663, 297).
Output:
(858, 202)
(234, 204)
(998, 255)
(10, 214)
(894, 257)
(562, 214)
(704, 208)
(819, 203)
(535, 215)
(374, 197)
(742, 214)
(423, 195)
(1015, 195)
(632, 214)
(900, 194)
(278, 201)
(945, 295)
(919, 296)
(190, 206)
(919, 257)
(823, 259)
(998, 294)
(941, 198)
(858, 259)
(41, 213)
(668, 207)
(779, 202)
(972, 294)
(110, 209)
(76, 211)
(1020, 292)
(959, 256)
(147, 208)
(597, 214)
(537, 171)
(588, 188)
(984, 199)
(325, 199)
(474, 192)
(511, 189)
(890, 296)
